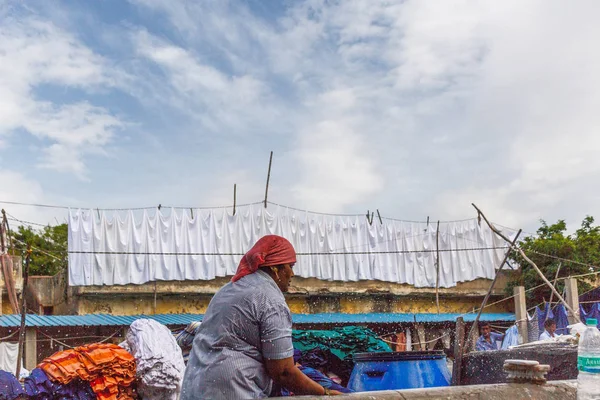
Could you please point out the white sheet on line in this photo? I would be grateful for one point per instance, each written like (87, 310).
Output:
(8, 357)
(392, 251)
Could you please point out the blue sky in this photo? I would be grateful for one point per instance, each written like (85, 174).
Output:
(417, 108)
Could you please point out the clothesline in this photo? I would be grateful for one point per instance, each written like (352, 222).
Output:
(40, 250)
(529, 290)
(298, 253)
(564, 259)
(418, 342)
(9, 336)
(160, 206)
(60, 340)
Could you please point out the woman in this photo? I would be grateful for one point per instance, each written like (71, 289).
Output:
(244, 343)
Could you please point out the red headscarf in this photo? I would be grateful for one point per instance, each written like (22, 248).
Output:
(269, 250)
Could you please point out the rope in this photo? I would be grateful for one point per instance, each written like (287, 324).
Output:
(40, 250)
(563, 259)
(208, 208)
(57, 341)
(133, 253)
(9, 336)
(415, 343)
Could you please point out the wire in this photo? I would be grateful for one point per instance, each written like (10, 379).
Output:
(416, 343)
(121, 209)
(563, 259)
(9, 336)
(40, 250)
(56, 340)
(315, 212)
(32, 204)
(133, 253)
(27, 222)
(215, 207)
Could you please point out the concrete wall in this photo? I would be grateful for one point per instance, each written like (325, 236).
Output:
(557, 390)
(306, 296)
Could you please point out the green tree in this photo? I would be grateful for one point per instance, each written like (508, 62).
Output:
(49, 254)
(583, 246)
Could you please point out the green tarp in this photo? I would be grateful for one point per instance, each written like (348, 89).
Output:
(342, 342)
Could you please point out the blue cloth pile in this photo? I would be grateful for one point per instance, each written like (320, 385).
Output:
(10, 388)
(321, 379)
(39, 387)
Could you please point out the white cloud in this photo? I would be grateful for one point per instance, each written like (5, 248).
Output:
(35, 52)
(335, 171)
(223, 103)
(417, 107)
(18, 188)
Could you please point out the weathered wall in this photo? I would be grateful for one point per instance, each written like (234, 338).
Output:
(307, 296)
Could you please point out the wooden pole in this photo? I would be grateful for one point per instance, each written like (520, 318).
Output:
(234, 197)
(555, 279)
(268, 178)
(23, 311)
(8, 235)
(572, 298)
(437, 263)
(155, 290)
(534, 265)
(459, 336)
(489, 292)
(9, 282)
(521, 312)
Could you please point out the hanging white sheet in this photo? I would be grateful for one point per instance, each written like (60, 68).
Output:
(8, 357)
(120, 249)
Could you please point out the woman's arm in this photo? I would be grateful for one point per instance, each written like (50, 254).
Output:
(285, 373)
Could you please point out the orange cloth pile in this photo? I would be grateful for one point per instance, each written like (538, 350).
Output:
(109, 368)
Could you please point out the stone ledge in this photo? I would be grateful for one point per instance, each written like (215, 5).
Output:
(559, 390)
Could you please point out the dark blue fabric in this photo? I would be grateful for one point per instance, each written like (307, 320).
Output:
(297, 355)
(321, 379)
(558, 314)
(316, 358)
(594, 312)
(560, 317)
(39, 387)
(10, 388)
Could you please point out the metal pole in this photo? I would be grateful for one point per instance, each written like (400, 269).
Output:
(437, 262)
(234, 197)
(268, 178)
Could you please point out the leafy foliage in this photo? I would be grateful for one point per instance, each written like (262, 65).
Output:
(51, 240)
(583, 246)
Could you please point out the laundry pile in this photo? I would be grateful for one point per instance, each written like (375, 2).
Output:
(106, 369)
(332, 350)
(185, 339)
(39, 387)
(160, 365)
(317, 373)
(10, 388)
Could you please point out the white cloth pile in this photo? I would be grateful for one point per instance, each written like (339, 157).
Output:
(158, 358)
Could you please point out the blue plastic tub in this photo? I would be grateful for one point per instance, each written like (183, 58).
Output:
(399, 370)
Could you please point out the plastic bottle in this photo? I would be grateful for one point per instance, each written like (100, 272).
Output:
(588, 362)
